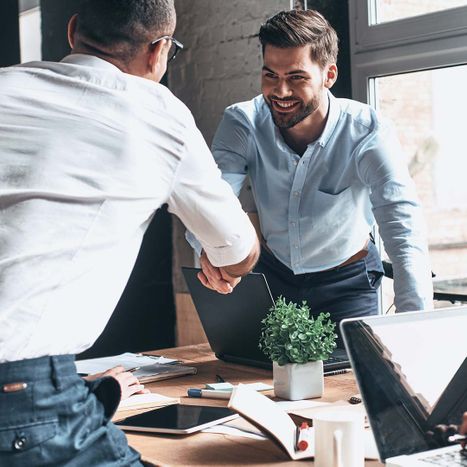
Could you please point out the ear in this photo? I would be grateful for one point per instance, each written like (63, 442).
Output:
(330, 75)
(71, 30)
(157, 61)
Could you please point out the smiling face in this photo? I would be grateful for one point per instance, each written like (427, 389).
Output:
(293, 86)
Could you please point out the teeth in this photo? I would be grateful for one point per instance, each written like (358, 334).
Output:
(284, 105)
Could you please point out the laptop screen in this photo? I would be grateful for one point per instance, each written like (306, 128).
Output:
(411, 369)
(233, 322)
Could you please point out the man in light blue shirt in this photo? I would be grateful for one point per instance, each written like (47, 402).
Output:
(322, 171)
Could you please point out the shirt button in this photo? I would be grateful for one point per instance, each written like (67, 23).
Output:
(296, 193)
(295, 162)
(293, 224)
(20, 443)
(295, 246)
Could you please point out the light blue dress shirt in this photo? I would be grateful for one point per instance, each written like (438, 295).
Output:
(317, 210)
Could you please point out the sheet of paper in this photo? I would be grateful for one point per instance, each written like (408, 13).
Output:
(146, 401)
(128, 360)
(295, 406)
(371, 451)
(227, 387)
(233, 431)
(311, 411)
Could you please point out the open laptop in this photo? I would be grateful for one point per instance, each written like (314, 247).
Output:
(232, 322)
(411, 369)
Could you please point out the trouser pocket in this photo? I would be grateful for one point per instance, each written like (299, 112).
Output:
(19, 444)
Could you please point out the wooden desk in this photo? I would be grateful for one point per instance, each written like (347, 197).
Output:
(215, 449)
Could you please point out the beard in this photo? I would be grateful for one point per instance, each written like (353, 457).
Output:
(288, 120)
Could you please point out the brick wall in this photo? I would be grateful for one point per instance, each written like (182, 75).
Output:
(220, 65)
(221, 61)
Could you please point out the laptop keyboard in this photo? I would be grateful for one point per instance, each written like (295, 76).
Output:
(448, 459)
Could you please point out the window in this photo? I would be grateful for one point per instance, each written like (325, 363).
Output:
(409, 60)
(30, 30)
(390, 10)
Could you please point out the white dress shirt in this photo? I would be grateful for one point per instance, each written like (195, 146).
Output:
(87, 155)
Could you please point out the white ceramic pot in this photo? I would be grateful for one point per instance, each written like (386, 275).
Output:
(296, 381)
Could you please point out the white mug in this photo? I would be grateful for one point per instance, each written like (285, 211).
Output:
(339, 439)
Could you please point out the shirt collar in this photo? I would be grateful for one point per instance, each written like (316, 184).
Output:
(331, 122)
(89, 60)
(333, 118)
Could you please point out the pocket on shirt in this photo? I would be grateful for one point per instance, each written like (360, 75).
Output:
(333, 193)
(330, 209)
(330, 200)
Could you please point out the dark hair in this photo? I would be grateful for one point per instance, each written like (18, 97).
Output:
(124, 25)
(297, 28)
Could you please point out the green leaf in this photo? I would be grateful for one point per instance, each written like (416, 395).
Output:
(290, 335)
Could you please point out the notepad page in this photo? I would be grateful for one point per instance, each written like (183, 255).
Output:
(265, 414)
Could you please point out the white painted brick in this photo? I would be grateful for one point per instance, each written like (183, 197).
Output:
(221, 62)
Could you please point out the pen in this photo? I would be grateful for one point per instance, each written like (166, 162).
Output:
(212, 393)
(337, 372)
(131, 370)
(304, 437)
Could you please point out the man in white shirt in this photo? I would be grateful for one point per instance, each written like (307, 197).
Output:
(90, 148)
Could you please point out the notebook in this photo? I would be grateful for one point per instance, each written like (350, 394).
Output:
(232, 322)
(411, 369)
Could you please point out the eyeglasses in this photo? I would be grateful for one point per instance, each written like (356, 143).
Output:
(174, 47)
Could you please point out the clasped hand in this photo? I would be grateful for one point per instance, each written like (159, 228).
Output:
(215, 278)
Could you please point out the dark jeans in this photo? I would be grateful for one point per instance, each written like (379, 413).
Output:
(59, 419)
(345, 292)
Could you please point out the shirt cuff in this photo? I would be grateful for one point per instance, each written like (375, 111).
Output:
(237, 249)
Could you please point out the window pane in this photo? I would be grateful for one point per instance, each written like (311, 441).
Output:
(30, 34)
(427, 108)
(391, 10)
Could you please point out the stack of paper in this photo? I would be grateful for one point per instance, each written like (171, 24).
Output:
(146, 368)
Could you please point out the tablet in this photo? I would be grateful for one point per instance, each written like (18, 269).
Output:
(177, 419)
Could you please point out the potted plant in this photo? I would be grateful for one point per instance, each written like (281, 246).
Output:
(297, 344)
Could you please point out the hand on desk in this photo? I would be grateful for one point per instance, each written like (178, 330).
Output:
(215, 278)
(129, 384)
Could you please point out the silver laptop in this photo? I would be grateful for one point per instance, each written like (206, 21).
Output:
(411, 369)
(232, 322)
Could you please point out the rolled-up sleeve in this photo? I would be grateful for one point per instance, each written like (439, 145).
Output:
(382, 167)
(208, 207)
(230, 148)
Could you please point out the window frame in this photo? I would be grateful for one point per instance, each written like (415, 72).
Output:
(430, 41)
(433, 40)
